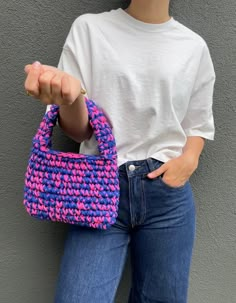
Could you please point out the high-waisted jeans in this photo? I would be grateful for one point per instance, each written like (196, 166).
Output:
(157, 222)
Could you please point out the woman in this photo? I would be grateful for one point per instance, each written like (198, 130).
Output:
(154, 77)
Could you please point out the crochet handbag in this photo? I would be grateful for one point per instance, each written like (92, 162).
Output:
(70, 187)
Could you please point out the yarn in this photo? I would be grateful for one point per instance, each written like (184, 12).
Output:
(73, 188)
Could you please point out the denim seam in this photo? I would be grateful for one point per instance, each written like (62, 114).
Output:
(132, 215)
(144, 203)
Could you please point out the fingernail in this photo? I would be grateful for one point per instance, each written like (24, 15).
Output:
(36, 64)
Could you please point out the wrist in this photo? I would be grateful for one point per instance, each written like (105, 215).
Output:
(194, 146)
(80, 98)
(191, 157)
(191, 153)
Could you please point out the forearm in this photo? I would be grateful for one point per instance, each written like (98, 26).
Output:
(73, 119)
(194, 146)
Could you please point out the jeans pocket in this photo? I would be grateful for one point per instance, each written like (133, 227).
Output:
(170, 186)
(156, 165)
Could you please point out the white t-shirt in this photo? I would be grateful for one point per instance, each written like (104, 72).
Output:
(154, 81)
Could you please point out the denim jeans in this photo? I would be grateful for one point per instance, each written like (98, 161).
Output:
(157, 222)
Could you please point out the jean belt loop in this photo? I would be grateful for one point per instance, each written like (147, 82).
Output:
(150, 164)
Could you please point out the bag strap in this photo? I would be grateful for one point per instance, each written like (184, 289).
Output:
(98, 121)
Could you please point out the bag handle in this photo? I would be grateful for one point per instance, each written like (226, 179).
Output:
(98, 121)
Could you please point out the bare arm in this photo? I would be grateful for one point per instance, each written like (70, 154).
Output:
(73, 119)
(194, 146)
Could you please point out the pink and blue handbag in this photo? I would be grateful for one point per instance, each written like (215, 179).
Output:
(70, 187)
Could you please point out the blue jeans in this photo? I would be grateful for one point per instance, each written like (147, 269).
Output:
(157, 221)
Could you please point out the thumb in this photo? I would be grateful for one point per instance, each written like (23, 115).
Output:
(44, 67)
(157, 172)
(36, 65)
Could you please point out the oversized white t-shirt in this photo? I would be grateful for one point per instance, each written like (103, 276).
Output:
(154, 81)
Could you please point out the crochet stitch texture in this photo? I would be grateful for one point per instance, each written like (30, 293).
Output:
(69, 187)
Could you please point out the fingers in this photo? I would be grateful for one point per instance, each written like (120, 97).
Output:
(44, 68)
(61, 89)
(27, 68)
(32, 83)
(51, 85)
(56, 88)
(157, 172)
(66, 89)
(45, 84)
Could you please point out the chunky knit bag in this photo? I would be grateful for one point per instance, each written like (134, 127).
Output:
(69, 187)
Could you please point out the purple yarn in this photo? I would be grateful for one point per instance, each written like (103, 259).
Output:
(73, 188)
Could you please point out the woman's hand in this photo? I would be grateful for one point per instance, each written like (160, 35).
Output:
(51, 85)
(178, 170)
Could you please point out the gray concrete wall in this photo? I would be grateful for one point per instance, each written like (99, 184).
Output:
(30, 250)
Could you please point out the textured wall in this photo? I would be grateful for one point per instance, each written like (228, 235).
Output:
(30, 250)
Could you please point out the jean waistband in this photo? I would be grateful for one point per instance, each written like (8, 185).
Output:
(137, 167)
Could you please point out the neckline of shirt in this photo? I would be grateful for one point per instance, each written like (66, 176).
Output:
(151, 27)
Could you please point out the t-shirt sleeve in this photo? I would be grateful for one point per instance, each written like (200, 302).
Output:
(73, 57)
(199, 120)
